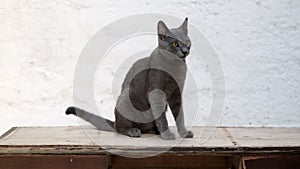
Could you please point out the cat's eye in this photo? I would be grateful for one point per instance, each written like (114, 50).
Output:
(175, 44)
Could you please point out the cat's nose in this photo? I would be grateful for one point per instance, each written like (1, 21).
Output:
(184, 51)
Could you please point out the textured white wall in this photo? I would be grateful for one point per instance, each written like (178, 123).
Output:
(257, 42)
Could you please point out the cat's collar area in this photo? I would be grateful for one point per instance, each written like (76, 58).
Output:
(182, 58)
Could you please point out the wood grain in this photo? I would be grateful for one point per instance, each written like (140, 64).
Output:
(174, 161)
(52, 162)
(86, 139)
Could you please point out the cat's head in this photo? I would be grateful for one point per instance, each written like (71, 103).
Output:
(174, 40)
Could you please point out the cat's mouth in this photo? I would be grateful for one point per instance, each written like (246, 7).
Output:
(183, 56)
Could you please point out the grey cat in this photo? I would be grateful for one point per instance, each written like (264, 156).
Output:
(152, 84)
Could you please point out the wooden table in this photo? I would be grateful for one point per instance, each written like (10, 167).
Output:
(84, 147)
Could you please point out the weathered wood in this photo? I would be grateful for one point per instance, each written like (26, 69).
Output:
(238, 148)
(174, 161)
(53, 162)
(266, 137)
(88, 140)
(273, 162)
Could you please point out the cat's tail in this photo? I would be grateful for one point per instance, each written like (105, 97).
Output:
(99, 122)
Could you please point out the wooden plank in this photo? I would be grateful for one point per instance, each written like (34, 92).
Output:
(53, 162)
(38, 140)
(266, 137)
(174, 161)
(274, 162)
(236, 162)
(87, 135)
(48, 136)
(88, 140)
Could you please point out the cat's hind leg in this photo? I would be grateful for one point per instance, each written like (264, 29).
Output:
(125, 126)
(131, 132)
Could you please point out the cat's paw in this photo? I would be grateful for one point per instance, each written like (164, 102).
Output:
(134, 132)
(186, 134)
(167, 135)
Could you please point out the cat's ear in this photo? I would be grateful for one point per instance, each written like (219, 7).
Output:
(184, 27)
(162, 30)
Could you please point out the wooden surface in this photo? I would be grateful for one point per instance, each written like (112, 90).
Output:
(174, 161)
(88, 140)
(53, 162)
(271, 162)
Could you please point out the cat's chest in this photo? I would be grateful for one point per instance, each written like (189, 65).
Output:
(159, 79)
(176, 75)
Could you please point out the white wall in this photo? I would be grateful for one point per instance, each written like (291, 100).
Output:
(257, 42)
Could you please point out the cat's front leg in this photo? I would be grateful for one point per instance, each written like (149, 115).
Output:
(183, 132)
(175, 103)
(158, 103)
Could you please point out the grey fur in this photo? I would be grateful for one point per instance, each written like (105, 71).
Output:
(152, 84)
